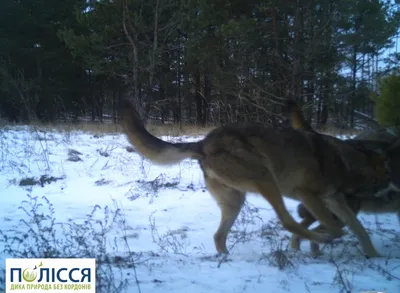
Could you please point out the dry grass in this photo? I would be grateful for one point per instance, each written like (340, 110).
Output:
(178, 130)
(110, 128)
(95, 128)
(156, 129)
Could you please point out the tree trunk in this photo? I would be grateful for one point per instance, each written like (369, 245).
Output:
(207, 97)
(199, 99)
(353, 87)
(132, 36)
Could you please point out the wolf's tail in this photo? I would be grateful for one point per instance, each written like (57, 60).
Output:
(151, 147)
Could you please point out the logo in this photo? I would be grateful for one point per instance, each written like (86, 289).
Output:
(65, 275)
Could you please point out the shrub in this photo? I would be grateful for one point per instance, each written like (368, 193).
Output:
(387, 107)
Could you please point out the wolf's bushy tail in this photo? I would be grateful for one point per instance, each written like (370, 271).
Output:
(151, 147)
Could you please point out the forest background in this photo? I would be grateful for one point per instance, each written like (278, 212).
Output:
(202, 62)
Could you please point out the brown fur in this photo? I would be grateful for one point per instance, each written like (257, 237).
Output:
(386, 200)
(236, 159)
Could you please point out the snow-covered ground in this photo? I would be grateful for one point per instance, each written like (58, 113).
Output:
(110, 203)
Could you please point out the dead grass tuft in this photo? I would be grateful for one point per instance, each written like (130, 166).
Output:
(178, 130)
(169, 129)
(93, 128)
(110, 128)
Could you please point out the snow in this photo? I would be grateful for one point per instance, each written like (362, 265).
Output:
(164, 219)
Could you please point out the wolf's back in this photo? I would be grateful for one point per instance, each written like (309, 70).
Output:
(151, 147)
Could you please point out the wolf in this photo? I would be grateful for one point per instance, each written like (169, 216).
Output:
(386, 200)
(240, 158)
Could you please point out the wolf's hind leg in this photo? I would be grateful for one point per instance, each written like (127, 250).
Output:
(339, 206)
(230, 201)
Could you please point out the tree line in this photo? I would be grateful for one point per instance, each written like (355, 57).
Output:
(194, 61)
